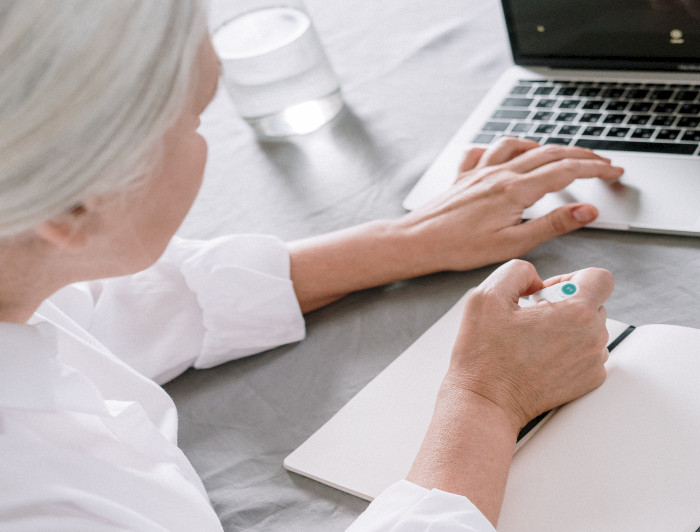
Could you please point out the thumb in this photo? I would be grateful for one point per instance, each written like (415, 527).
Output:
(560, 221)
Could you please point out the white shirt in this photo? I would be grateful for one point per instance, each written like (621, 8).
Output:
(88, 439)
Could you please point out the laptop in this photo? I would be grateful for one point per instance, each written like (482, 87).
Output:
(621, 78)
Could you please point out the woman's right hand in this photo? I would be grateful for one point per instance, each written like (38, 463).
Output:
(509, 365)
(529, 360)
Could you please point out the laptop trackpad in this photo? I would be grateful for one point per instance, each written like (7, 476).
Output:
(653, 193)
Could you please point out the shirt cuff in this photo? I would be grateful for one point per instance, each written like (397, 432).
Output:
(407, 507)
(248, 301)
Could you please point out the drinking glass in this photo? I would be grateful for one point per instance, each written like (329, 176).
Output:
(274, 67)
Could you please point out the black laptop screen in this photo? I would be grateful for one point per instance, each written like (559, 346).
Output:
(643, 34)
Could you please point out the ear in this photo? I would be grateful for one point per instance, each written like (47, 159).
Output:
(67, 230)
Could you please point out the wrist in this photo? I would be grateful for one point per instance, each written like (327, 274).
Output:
(393, 248)
(327, 267)
(467, 449)
(484, 398)
(419, 255)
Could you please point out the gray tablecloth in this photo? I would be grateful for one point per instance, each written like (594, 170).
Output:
(411, 72)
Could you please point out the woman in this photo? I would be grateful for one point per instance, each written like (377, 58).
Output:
(100, 160)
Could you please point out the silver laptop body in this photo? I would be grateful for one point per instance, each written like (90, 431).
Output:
(622, 78)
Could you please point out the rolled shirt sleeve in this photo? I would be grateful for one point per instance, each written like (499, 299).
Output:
(407, 507)
(203, 303)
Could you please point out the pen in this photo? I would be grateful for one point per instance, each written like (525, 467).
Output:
(555, 293)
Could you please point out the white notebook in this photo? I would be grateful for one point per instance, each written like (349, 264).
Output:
(625, 457)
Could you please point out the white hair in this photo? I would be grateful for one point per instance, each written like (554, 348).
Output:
(87, 90)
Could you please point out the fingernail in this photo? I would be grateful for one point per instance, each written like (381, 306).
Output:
(584, 214)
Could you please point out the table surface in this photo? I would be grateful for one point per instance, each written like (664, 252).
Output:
(410, 76)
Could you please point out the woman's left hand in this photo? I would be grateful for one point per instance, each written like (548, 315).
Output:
(475, 223)
(479, 220)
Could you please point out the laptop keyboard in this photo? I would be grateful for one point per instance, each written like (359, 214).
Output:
(639, 117)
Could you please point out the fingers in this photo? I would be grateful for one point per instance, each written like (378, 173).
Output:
(513, 279)
(596, 284)
(520, 278)
(471, 159)
(554, 176)
(550, 153)
(503, 181)
(557, 175)
(543, 169)
(506, 149)
(558, 222)
(529, 360)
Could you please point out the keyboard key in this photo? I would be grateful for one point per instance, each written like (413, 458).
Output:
(661, 94)
(639, 120)
(534, 139)
(545, 129)
(640, 107)
(691, 136)
(637, 94)
(566, 117)
(520, 90)
(666, 108)
(690, 109)
(590, 117)
(543, 91)
(663, 120)
(688, 121)
(558, 140)
(593, 104)
(620, 132)
(647, 147)
(568, 130)
(495, 126)
(614, 119)
(511, 114)
(613, 93)
(546, 104)
(619, 105)
(589, 92)
(593, 131)
(543, 116)
(643, 133)
(686, 96)
(668, 134)
(521, 127)
(569, 104)
(567, 91)
(517, 102)
(483, 138)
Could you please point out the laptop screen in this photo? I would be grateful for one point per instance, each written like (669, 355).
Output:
(624, 34)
